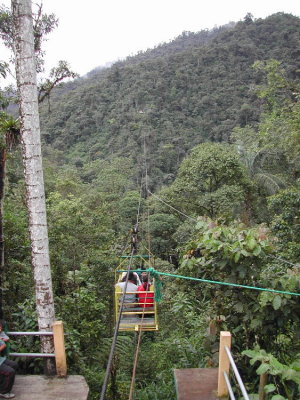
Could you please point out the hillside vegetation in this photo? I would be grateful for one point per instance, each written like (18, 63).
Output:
(197, 140)
(173, 97)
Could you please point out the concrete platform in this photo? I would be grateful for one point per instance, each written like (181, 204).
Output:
(37, 387)
(196, 383)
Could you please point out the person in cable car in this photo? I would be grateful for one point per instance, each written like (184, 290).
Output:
(137, 279)
(129, 298)
(145, 300)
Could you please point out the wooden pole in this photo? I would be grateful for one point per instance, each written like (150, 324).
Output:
(224, 364)
(59, 348)
(263, 379)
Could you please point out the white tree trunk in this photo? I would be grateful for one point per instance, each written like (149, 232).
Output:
(32, 160)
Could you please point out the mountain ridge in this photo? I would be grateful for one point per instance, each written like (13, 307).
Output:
(174, 101)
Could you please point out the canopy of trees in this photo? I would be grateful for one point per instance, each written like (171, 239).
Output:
(172, 99)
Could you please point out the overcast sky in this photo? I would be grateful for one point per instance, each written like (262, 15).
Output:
(94, 32)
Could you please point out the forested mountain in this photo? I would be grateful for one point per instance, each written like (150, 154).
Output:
(194, 89)
(214, 119)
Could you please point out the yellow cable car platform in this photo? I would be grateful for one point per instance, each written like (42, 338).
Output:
(133, 317)
(139, 311)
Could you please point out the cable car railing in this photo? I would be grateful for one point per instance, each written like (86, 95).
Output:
(134, 315)
(225, 361)
(137, 309)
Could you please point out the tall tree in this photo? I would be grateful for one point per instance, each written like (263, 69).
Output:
(43, 24)
(213, 180)
(32, 160)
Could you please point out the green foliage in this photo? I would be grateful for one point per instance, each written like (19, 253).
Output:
(237, 254)
(157, 109)
(285, 378)
(17, 275)
(285, 208)
(24, 319)
(196, 88)
(84, 316)
(232, 250)
(211, 181)
(264, 165)
(276, 89)
(161, 227)
(153, 391)
(57, 75)
(129, 207)
(9, 131)
(76, 228)
(179, 344)
(279, 126)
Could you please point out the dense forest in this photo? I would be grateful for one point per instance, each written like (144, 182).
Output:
(197, 93)
(198, 140)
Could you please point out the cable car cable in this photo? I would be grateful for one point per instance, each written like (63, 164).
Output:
(133, 252)
(114, 341)
(115, 336)
(173, 208)
(131, 392)
(155, 273)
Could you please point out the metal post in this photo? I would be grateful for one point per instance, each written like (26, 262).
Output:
(59, 348)
(224, 364)
(237, 374)
(231, 394)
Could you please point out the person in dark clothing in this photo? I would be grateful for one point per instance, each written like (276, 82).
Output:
(7, 370)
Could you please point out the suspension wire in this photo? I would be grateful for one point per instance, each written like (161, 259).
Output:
(139, 205)
(131, 393)
(173, 208)
(148, 217)
(283, 260)
(147, 191)
(126, 245)
(115, 336)
(145, 162)
(137, 351)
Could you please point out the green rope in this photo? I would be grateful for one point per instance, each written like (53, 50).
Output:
(155, 274)
(158, 284)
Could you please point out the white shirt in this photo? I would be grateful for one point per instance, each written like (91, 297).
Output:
(131, 287)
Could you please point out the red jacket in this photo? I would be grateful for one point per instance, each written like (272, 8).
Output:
(145, 299)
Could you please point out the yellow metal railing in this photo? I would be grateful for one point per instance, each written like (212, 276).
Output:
(140, 319)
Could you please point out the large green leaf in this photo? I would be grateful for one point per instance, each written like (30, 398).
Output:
(263, 368)
(269, 388)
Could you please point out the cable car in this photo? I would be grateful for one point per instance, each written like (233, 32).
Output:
(139, 311)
